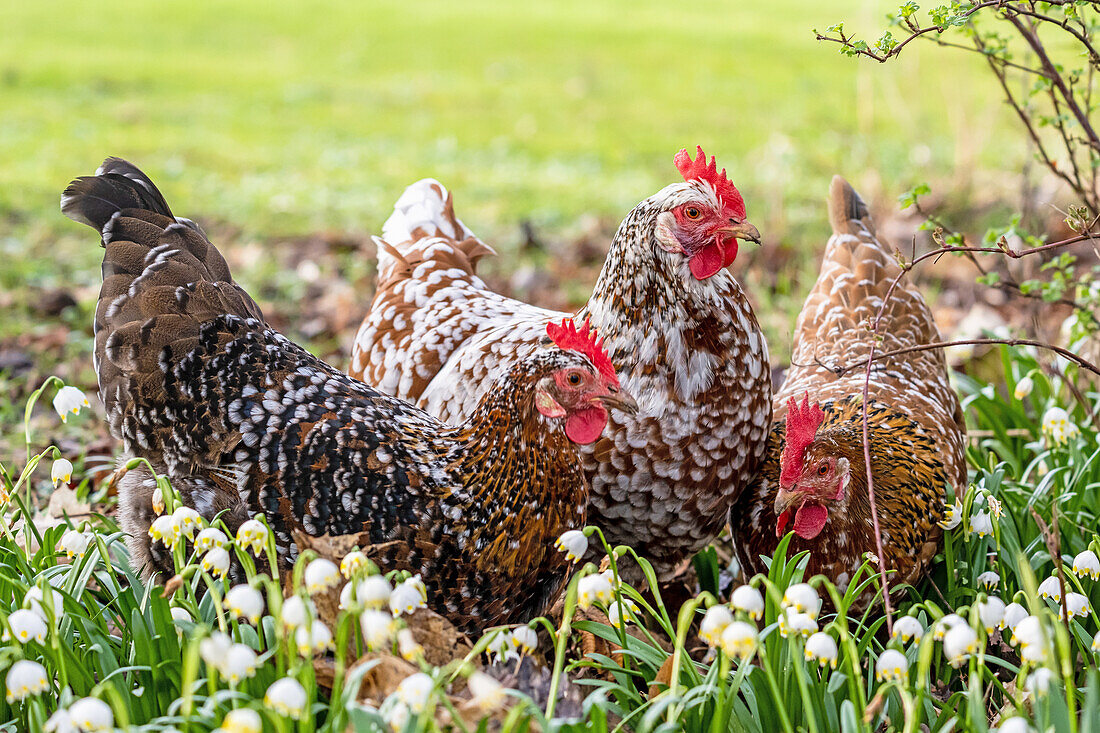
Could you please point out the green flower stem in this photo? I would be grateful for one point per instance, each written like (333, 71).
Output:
(780, 707)
(683, 623)
(808, 711)
(51, 380)
(562, 639)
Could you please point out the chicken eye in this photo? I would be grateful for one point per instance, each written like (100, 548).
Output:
(692, 212)
(822, 470)
(574, 379)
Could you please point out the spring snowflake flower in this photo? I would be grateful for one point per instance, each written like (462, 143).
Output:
(821, 647)
(245, 601)
(214, 648)
(1051, 588)
(803, 599)
(1032, 639)
(1039, 681)
(252, 535)
(165, 529)
(295, 612)
(1014, 725)
(715, 621)
(525, 639)
(945, 624)
(74, 543)
(398, 716)
(313, 639)
(1086, 563)
(1096, 642)
(958, 644)
(26, 625)
(36, 601)
(1058, 428)
(352, 564)
(619, 615)
(501, 648)
(1023, 388)
(406, 598)
(157, 500)
(414, 581)
(60, 722)
(239, 663)
(747, 599)
(996, 508)
(486, 694)
(241, 720)
(188, 520)
(981, 523)
(573, 543)
(991, 611)
(210, 538)
(61, 472)
(25, 678)
(286, 697)
(69, 400)
(91, 714)
(739, 640)
(374, 591)
(793, 623)
(180, 614)
(415, 691)
(320, 575)
(906, 628)
(892, 665)
(989, 580)
(408, 646)
(1076, 605)
(592, 589)
(952, 516)
(1014, 614)
(377, 627)
(216, 562)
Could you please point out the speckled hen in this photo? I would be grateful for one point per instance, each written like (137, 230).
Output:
(814, 477)
(246, 422)
(677, 325)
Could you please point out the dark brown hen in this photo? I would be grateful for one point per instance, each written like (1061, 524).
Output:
(244, 421)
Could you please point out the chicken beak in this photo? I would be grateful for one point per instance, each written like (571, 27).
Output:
(619, 400)
(786, 499)
(742, 230)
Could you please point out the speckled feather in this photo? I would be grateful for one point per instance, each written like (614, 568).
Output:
(243, 420)
(689, 351)
(915, 420)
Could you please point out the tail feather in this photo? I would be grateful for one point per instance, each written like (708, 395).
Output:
(847, 212)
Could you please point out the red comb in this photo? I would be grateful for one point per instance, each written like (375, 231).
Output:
(802, 424)
(586, 341)
(699, 169)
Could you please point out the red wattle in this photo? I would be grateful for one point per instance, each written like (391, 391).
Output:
(708, 261)
(809, 520)
(584, 427)
(781, 523)
(731, 252)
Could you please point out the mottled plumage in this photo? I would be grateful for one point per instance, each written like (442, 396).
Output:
(242, 419)
(677, 326)
(915, 421)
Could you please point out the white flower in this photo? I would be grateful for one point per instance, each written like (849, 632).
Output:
(414, 581)
(991, 611)
(373, 591)
(241, 720)
(165, 529)
(1077, 605)
(216, 562)
(715, 621)
(945, 624)
(188, 520)
(180, 614)
(592, 589)
(525, 639)
(35, 601)
(747, 599)
(377, 628)
(1039, 681)
(620, 614)
(501, 647)
(1023, 388)
(981, 523)
(26, 625)
(573, 543)
(952, 515)
(1014, 614)
(959, 643)
(286, 697)
(313, 640)
(25, 678)
(352, 564)
(406, 598)
(252, 535)
(408, 646)
(245, 601)
(988, 580)
(1051, 588)
(1086, 563)
(486, 694)
(295, 612)
(1096, 642)
(793, 623)
(996, 508)
(74, 543)
(1032, 639)
(91, 713)
(239, 663)
(1057, 426)
(739, 639)
(892, 665)
(210, 538)
(1014, 725)
(906, 628)
(320, 575)
(821, 647)
(61, 472)
(214, 648)
(802, 598)
(157, 500)
(415, 691)
(60, 722)
(69, 400)
(398, 716)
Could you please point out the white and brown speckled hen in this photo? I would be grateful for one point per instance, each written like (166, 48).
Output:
(676, 323)
(814, 477)
(241, 419)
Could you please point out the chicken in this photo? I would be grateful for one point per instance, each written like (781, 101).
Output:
(244, 421)
(814, 478)
(677, 325)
